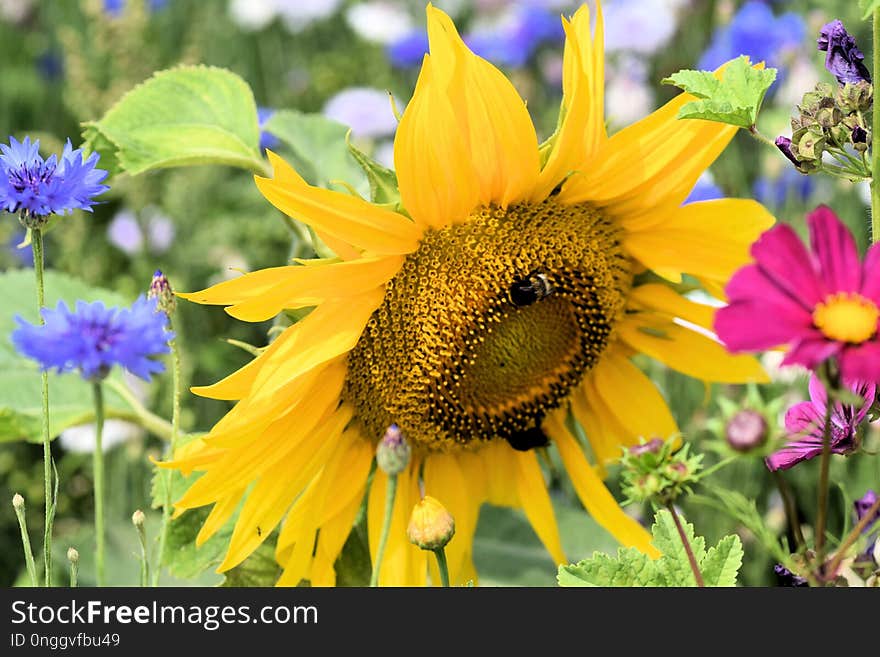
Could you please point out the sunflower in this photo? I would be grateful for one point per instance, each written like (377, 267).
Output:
(511, 287)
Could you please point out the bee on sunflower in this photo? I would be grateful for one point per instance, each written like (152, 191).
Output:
(506, 291)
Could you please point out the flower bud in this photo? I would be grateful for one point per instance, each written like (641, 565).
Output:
(393, 452)
(431, 526)
(746, 430)
(653, 446)
(137, 518)
(72, 555)
(17, 502)
(160, 289)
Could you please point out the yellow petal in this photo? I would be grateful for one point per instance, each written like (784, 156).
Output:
(438, 184)
(654, 296)
(315, 284)
(708, 239)
(490, 114)
(598, 501)
(343, 216)
(222, 511)
(242, 287)
(403, 563)
(689, 352)
(536, 502)
(632, 398)
(582, 130)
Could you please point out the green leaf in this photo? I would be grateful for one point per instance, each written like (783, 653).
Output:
(630, 568)
(870, 6)
(734, 99)
(353, 566)
(70, 398)
(722, 562)
(259, 569)
(675, 564)
(383, 181)
(318, 148)
(183, 116)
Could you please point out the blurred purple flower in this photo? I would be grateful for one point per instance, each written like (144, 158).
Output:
(844, 59)
(517, 35)
(115, 8)
(642, 26)
(124, 232)
(787, 578)
(704, 190)
(788, 186)
(267, 139)
(408, 51)
(863, 505)
(755, 31)
(24, 255)
(805, 424)
(160, 233)
(365, 110)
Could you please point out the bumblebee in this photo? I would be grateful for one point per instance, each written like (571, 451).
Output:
(528, 290)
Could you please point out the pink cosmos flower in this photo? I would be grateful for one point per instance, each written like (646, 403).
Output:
(822, 304)
(805, 423)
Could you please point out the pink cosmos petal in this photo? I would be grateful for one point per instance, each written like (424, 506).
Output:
(861, 362)
(871, 275)
(818, 394)
(785, 260)
(754, 325)
(750, 283)
(792, 454)
(811, 351)
(804, 420)
(836, 250)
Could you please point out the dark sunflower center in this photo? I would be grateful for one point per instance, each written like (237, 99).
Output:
(489, 324)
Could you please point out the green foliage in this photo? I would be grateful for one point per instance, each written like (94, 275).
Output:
(383, 181)
(734, 99)
(870, 6)
(259, 569)
(317, 148)
(70, 397)
(719, 566)
(183, 116)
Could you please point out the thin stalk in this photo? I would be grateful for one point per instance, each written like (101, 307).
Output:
(698, 576)
(175, 433)
(852, 537)
(390, 491)
(875, 152)
(18, 505)
(138, 521)
(790, 508)
(98, 471)
(753, 130)
(140, 415)
(441, 564)
(37, 247)
(74, 573)
(822, 502)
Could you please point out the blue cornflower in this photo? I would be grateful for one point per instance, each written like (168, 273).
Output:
(756, 32)
(94, 338)
(32, 186)
(267, 139)
(789, 185)
(704, 190)
(409, 50)
(514, 41)
(115, 7)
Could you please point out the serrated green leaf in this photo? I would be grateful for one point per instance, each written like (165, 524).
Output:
(318, 148)
(183, 116)
(259, 569)
(734, 99)
(722, 562)
(629, 568)
(70, 398)
(383, 181)
(674, 564)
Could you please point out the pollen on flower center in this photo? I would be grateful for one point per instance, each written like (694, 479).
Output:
(847, 316)
(489, 324)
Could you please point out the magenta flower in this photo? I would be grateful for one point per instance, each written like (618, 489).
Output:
(805, 424)
(822, 304)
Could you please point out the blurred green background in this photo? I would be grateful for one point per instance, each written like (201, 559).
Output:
(64, 63)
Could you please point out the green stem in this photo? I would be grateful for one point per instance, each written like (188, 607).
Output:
(25, 539)
(754, 132)
(145, 562)
(822, 502)
(37, 246)
(74, 573)
(790, 508)
(852, 537)
(149, 421)
(441, 564)
(698, 576)
(98, 470)
(175, 433)
(875, 152)
(390, 491)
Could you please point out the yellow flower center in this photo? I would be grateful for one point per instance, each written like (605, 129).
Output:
(489, 324)
(846, 316)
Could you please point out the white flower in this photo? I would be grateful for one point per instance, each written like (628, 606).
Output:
(642, 26)
(299, 14)
(365, 110)
(253, 14)
(628, 97)
(81, 438)
(379, 22)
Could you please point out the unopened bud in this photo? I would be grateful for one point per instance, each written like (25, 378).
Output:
(137, 518)
(653, 446)
(746, 430)
(160, 289)
(431, 526)
(393, 451)
(72, 555)
(17, 502)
